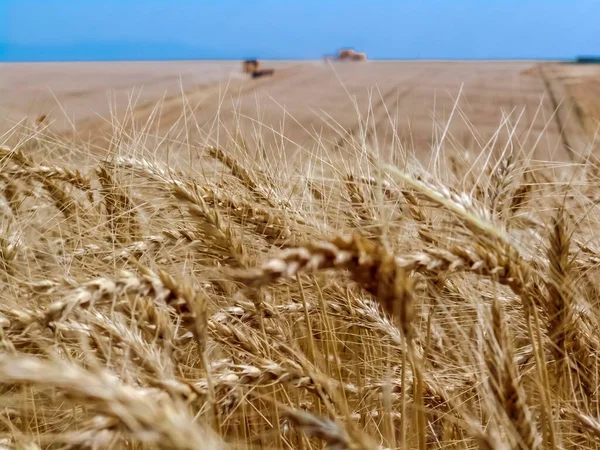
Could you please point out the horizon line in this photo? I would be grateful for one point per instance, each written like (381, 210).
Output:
(158, 59)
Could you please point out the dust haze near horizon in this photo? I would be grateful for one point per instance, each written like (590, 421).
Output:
(231, 29)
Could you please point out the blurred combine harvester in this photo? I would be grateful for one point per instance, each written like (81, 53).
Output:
(263, 73)
(347, 55)
(252, 67)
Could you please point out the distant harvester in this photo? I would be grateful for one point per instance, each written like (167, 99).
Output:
(263, 73)
(347, 55)
(250, 66)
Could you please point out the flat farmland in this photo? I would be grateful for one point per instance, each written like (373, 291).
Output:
(191, 258)
(313, 106)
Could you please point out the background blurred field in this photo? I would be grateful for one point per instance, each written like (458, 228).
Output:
(315, 106)
(213, 261)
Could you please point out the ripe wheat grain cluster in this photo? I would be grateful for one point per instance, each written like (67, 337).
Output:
(224, 305)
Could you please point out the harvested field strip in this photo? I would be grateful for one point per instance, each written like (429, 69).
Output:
(377, 113)
(557, 117)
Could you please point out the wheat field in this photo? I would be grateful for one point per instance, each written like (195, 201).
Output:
(235, 300)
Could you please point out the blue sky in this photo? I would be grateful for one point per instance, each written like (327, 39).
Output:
(186, 29)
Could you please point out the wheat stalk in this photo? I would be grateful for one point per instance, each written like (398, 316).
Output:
(148, 417)
(504, 382)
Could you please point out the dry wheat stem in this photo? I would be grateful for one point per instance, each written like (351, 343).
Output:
(505, 384)
(150, 418)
